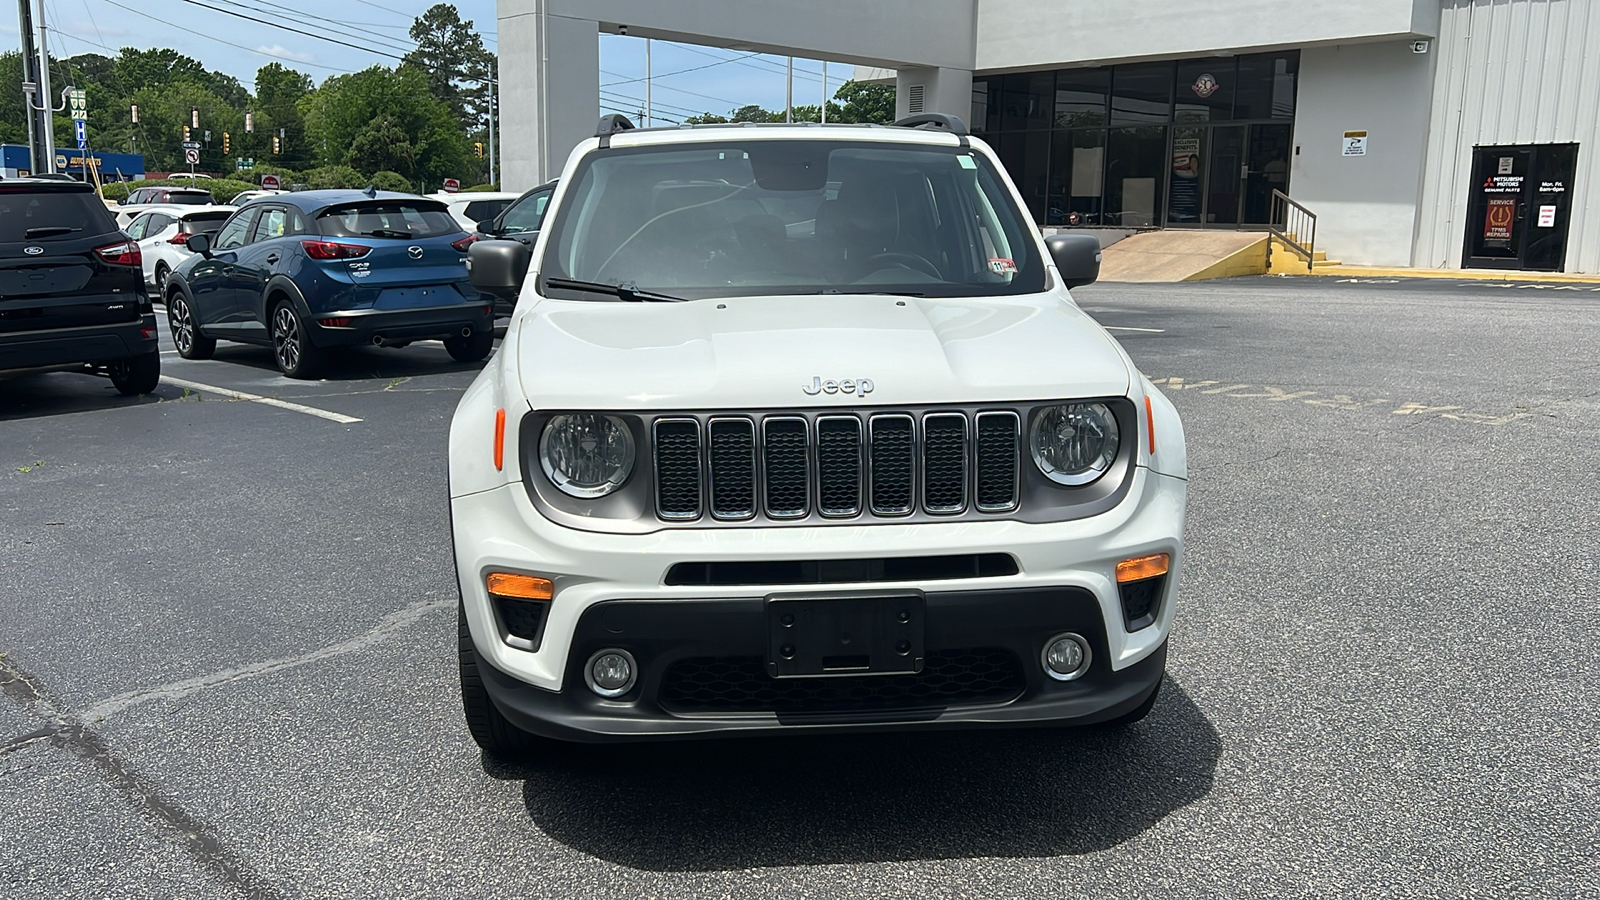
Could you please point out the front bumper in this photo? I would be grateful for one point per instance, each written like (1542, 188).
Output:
(432, 323)
(1069, 567)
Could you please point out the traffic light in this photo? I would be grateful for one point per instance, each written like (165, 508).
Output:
(226, 142)
(277, 144)
(479, 147)
(186, 132)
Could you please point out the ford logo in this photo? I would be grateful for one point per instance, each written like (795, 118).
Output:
(33, 251)
(858, 386)
(414, 252)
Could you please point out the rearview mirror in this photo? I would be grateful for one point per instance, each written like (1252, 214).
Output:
(498, 268)
(199, 243)
(1077, 257)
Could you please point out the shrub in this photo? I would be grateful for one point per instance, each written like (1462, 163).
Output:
(390, 181)
(480, 187)
(329, 177)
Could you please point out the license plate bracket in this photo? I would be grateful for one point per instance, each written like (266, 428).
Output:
(837, 635)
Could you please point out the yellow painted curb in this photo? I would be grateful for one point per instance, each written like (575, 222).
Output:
(1457, 274)
(1251, 260)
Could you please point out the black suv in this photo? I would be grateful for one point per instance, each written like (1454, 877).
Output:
(72, 292)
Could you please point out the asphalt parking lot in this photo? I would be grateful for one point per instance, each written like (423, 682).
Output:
(227, 629)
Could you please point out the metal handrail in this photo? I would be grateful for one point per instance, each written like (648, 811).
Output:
(1295, 225)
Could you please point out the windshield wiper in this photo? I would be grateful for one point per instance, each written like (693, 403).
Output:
(386, 232)
(625, 291)
(879, 293)
(49, 231)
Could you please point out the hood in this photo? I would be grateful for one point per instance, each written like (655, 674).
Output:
(783, 352)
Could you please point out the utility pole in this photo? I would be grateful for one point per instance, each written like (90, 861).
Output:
(647, 110)
(788, 99)
(824, 92)
(29, 79)
(494, 97)
(44, 92)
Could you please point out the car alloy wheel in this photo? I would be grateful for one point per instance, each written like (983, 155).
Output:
(286, 338)
(182, 324)
(161, 280)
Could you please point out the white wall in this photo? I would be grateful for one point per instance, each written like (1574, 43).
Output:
(1018, 34)
(1513, 72)
(1366, 206)
(540, 124)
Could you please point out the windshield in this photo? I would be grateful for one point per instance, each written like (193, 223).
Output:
(205, 223)
(51, 215)
(792, 217)
(403, 219)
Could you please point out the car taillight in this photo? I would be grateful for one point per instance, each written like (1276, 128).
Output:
(465, 242)
(336, 322)
(123, 254)
(181, 238)
(326, 250)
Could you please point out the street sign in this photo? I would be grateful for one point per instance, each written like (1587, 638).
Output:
(191, 155)
(270, 182)
(451, 185)
(80, 131)
(191, 145)
(79, 101)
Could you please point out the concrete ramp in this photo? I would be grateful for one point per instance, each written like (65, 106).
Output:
(1181, 255)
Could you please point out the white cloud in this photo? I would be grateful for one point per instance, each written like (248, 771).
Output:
(282, 52)
(85, 28)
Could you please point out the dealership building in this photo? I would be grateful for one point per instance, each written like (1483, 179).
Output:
(1426, 133)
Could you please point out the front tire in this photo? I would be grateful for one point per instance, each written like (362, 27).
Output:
(291, 347)
(186, 334)
(137, 374)
(161, 279)
(473, 347)
(490, 729)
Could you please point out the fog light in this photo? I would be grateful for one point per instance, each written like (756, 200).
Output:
(1066, 657)
(610, 673)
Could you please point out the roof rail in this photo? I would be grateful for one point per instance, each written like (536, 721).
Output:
(610, 124)
(952, 124)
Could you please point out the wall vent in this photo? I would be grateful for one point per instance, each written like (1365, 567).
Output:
(914, 99)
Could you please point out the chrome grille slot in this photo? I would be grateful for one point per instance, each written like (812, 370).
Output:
(944, 463)
(999, 437)
(677, 452)
(839, 465)
(786, 459)
(893, 454)
(732, 444)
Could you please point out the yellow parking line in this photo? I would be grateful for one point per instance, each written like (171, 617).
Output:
(257, 398)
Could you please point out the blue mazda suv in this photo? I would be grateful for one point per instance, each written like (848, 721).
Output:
(308, 272)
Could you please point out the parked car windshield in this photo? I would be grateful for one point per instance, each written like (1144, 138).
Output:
(792, 217)
(51, 215)
(404, 219)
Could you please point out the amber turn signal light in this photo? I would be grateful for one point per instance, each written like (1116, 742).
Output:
(499, 439)
(1142, 567)
(522, 587)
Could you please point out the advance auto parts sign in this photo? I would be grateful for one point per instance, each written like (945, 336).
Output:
(1497, 224)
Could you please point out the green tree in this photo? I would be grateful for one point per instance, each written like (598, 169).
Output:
(862, 102)
(390, 181)
(363, 106)
(280, 91)
(458, 66)
(706, 118)
(754, 113)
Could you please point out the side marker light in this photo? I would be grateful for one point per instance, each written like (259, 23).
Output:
(1150, 423)
(1140, 568)
(520, 587)
(500, 439)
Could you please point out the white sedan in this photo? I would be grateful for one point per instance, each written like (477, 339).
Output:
(162, 232)
(476, 206)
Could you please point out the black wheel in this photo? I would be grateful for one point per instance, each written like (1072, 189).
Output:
(1137, 713)
(295, 355)
(186, 334)
(137, 374)
(161, 279)
(471, 348)
(489, 729)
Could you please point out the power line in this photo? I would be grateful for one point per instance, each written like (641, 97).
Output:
(388, 42)
(665, 74)
(231, 43)
(666, 87)
(767, 65)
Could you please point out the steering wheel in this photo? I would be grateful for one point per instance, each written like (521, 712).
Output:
(919, 263)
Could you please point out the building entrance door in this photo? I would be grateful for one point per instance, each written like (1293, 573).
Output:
(1225, 174)
(1268, 170)
(1518, 205)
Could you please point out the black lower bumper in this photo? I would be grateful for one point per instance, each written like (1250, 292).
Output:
(702, 672)
(435, 323)
(92, 344)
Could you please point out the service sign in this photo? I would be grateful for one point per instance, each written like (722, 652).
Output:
(1497, 224)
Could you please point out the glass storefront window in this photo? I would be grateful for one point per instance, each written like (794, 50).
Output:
(1141, 94)
(1266, 86)
(1136, 166)
(1205, 90)
(1026, 155)
(1077, 177)
(1081, 97)
(979, 121)
(1027, 99)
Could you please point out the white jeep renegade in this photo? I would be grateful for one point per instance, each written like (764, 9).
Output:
(798, 429)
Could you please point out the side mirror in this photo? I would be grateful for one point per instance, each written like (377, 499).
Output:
(199, 243)
(123, 202)
(1077, 257)
(486, 228)
(498, 268)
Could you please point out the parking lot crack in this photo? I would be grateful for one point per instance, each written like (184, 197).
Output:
(64, 731)
(380, 632)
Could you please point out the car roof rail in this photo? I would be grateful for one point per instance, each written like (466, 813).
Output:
(945, 121)
(610, 124)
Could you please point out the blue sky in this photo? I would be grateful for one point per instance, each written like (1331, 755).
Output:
(721, 79)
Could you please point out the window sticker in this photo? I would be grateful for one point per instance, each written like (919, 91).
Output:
(1002, 267)
(967, 162)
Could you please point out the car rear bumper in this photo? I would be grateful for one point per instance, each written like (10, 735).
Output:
(91, 344)
(702, 663)
(431, 323)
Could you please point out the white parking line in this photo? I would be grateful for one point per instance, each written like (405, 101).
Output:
(1131, 328)
(257, 398)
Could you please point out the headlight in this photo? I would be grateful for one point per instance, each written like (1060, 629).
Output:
(586, 455)
(1074, 444)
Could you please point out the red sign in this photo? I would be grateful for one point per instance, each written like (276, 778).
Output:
(451, 185)
(270, 182)
(1497, 224)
